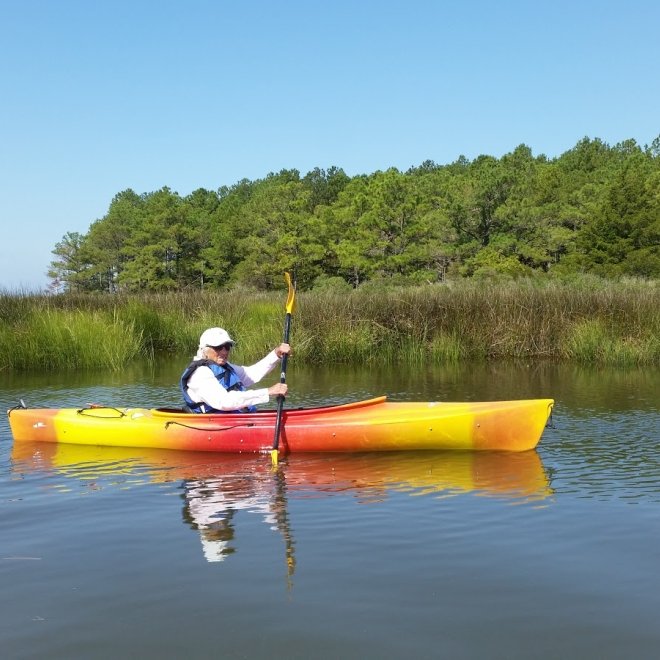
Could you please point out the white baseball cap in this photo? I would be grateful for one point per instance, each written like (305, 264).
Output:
(215, 337)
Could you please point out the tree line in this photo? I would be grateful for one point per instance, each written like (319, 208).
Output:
(594, 209)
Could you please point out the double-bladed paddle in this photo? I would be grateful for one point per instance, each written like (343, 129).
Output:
(280, 398)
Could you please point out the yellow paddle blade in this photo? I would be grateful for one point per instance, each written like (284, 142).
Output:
(291, 298)
(274, 456)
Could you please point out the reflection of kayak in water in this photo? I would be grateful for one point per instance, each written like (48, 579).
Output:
(500, 474)
(373, 425)
(218, 486)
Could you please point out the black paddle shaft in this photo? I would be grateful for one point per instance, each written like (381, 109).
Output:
(280, 397)
(285, 357)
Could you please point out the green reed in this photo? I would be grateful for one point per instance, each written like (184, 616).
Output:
(588, 321)
(53, 339)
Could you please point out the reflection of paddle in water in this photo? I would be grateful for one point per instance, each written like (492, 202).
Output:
(281, 511)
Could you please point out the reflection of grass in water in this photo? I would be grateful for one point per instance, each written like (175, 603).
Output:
(612, 323)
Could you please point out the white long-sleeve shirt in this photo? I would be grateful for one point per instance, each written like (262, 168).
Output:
(203, 386)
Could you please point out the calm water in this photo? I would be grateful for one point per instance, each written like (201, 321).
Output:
(108, 553)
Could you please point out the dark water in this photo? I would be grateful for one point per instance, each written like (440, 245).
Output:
(108, 553)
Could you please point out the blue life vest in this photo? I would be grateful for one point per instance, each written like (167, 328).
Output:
(227, 377)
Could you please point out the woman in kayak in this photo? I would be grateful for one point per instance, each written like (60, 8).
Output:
(211, 384)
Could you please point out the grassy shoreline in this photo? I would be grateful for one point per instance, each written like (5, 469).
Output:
(589, 322)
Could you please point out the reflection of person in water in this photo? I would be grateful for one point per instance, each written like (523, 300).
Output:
(212, 503)
(211, 518)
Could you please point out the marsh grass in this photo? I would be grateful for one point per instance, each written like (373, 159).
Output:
(446, 348)
(590, 341)
(593, 321)
(64, 339)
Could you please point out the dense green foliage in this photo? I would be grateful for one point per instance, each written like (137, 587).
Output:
(595, 209)
(592, 320)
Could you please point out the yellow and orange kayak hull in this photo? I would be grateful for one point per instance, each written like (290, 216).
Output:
(371, 425)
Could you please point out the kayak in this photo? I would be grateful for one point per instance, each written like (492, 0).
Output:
(363, 426)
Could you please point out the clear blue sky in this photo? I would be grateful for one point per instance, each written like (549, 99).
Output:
(98, 97)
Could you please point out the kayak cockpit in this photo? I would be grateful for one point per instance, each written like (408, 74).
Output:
(298, 412)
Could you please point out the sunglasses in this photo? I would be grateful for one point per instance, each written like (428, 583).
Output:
(226, 346)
